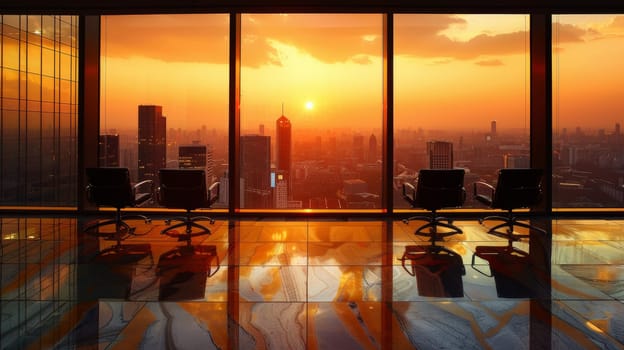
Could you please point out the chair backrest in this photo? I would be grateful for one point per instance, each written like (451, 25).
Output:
(518, 188)
(440, 188)
(109, 186)
(183, 188)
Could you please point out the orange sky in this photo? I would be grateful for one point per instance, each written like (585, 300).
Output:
(450, 71)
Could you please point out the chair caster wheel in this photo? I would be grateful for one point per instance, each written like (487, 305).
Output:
(148, 221)
(405, 221)
(212, 221)
(131, 230)
(480, 221)
(167, 222)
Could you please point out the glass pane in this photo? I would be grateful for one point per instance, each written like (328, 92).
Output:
(311, 111)
(182, 89)
(461, 96)
(588, 81)
(32, 148)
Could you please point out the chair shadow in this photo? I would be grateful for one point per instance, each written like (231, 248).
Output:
(183, 271)
(112, 270)
(438, 270)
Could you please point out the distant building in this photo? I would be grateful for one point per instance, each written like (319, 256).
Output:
(440, 154)
(280, 189)
(372, 149)
(152, 142)
(255, 170)
(358, 147)
(517, 161)
(109, 151)
(196, 156)
(283, 152)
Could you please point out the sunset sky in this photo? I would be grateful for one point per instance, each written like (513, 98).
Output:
(451, 71)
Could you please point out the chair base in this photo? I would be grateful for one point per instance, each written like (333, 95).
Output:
(188, 223)
(122, 228)
(509, 222)
(433, 222)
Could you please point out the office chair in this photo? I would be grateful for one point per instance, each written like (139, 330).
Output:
(436, 189)
(515, 189)
(110, 186)
(186, 189)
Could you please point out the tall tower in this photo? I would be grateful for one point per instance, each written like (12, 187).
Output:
(109, 150)
(152, 142)
(255, 169)
(372, 149)
(440, 154)
(493, 128)
(283, 150)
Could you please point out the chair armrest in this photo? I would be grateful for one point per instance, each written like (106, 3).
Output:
(409, 192)
(136, 187)
(213, 193)
(480, 186)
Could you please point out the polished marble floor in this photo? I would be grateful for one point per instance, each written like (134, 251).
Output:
(311, 284)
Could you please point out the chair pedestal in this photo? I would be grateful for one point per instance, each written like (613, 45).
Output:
(188, 222)
(509, 222)
(432, 224)
(122, 228)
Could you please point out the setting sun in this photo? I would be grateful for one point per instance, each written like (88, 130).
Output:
(309, 105)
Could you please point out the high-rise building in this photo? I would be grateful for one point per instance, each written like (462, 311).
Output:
(109, 151)
(372, 149)
(280, 189)
(440, 154)
(493, 128)
(283, 151)
(197, 156)
(152, 142)
(255, 165)
(358, 147)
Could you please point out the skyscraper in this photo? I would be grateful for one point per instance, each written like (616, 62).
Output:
(372, 149)
(255, 163)
(109, 150)
(196, 156)
(283, 147)
(440, 154)
(152, 142)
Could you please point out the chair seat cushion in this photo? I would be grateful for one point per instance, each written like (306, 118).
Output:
(140, 198)
(487, 200)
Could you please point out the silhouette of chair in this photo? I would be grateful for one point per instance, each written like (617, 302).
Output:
(511, 268)
(186, 189)
(111, 186)
(515, 189)
(438, 270)
(436, 189)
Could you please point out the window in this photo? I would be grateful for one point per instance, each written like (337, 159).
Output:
(588, 111)
(311, 111)
(461, 96)
(164, 86)
(38, 143)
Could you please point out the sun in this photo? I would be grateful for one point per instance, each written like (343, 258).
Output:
(309, 105)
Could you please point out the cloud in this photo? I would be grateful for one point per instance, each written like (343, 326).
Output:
(188, 38)
(330, 38)
(489, 63)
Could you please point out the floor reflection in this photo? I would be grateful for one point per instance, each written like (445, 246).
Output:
(305, 284)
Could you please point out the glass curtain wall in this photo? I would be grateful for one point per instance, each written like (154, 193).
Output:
(588, 111)
(39, 108)
(461, 96)
(164, 95)
(311, 111)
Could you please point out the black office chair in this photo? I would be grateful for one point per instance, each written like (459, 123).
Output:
(186, 189)
(436, 189)
(515, 189)
(111, 186)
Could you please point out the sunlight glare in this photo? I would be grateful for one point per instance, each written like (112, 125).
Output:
(309, 105)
